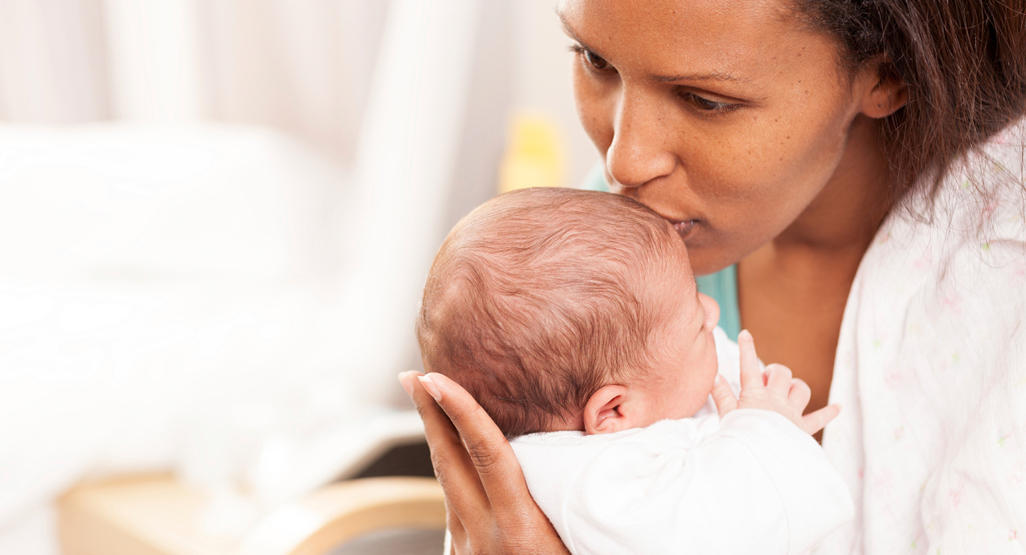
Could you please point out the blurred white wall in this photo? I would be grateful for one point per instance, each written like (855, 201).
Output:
(542, 82)
(301, 67)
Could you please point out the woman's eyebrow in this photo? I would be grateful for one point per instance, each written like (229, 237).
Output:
(570, 31)
(709, 76)
(706, 76)
(566, 25)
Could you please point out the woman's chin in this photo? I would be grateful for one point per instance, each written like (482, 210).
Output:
(709, 259)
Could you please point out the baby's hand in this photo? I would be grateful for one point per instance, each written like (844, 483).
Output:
(775, 390)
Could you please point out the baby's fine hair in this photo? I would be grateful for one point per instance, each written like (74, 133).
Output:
(536, 299)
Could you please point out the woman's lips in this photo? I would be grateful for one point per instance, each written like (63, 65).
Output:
(684, 228)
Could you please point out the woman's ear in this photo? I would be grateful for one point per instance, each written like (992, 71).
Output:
(604, 412)
(885, 93)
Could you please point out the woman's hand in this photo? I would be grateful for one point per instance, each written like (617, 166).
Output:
(488, 506)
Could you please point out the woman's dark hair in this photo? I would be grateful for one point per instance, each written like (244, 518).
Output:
(964, 62)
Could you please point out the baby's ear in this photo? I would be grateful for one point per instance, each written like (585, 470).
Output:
(603, 413)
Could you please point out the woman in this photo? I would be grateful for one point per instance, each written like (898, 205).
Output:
(810, 153)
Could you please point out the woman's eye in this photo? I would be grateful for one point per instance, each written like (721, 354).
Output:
(705, 105)
(597, 63)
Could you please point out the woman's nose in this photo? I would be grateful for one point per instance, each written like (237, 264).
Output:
(638, 153)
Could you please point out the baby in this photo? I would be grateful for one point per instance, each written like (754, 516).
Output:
(574, 319)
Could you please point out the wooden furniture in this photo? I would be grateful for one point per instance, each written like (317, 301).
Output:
(155, 514)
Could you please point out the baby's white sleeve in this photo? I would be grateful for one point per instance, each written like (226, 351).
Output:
(757, 485)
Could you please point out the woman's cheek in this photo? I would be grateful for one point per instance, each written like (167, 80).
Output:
(596, 107)
(584, 100)
(761, 169)
(752, 150)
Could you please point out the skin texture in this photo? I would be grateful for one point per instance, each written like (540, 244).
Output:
(781, 166)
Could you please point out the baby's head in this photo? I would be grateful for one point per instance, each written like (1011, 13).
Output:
(561, 309)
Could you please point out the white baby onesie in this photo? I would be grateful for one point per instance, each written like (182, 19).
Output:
(753, 483)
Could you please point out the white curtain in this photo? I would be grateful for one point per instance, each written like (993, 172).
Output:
(302, 67)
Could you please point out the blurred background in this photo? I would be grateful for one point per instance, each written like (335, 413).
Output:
(215, 220)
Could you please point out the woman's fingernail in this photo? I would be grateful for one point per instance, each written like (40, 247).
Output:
(430, 386)
(407, 384)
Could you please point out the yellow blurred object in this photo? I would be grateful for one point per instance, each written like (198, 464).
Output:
(534, 157)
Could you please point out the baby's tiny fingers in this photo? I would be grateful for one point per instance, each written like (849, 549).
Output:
(778, 378)
(750, 374)
(723, 396)
(817, 420)
(799, 394)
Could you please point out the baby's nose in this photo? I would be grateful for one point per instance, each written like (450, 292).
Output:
(712, 310)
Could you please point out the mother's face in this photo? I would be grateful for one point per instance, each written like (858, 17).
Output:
(728, 117)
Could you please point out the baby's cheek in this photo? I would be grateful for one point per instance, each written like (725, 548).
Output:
(696, 395)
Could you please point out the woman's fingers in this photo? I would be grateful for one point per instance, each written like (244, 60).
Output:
(489, 508)
(464, 494)
(751, 375)
(457, 533)
(489, 452)
(799, 394)
(817, 420)
(723, 396)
